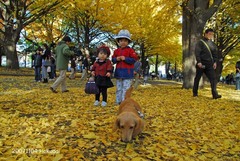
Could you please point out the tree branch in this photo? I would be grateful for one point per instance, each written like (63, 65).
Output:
(212, 9)
(231, 46)
(30, 40)
(1, 2)
(1, 14)
(40, 13)
(226, 41)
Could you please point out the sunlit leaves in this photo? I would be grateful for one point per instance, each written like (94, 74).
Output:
(178, 126)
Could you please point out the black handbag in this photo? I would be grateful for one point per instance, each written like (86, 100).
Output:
(91, 87)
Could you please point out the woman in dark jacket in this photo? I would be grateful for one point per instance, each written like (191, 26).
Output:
(37, 63)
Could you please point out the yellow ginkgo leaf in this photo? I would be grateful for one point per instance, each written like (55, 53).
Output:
(90, 135)
(58, 157)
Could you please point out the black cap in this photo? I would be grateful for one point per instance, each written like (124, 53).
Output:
(67, 39)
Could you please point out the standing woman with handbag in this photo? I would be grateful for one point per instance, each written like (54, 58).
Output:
(45, 62)
(102, 70)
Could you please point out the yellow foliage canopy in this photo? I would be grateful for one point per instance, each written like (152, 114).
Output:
(154, 23)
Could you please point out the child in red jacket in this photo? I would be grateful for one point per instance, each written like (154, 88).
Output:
(124, 58)
(102, 69)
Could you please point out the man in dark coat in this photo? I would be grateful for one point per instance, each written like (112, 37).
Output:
(206, 56)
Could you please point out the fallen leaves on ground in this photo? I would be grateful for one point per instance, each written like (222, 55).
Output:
(36, 124)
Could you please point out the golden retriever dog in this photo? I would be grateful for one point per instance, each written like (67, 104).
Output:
(128, 120)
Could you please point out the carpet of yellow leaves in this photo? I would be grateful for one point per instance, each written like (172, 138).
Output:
(36, 124)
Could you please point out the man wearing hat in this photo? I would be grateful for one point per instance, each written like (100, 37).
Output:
(124, 57)
(63, 54)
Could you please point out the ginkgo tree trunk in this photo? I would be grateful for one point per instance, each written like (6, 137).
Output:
(195, 15)
(14, 16)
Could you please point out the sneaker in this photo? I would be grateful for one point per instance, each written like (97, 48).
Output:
(104, 104)
(53, 90)
(96, 103)
(65, 91)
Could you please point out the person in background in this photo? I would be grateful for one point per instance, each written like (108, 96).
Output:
(53, 61)
(206, 56)
(48, 64)
(102, 70)
(146, 72)
(73, 68)
(137, 72)
(45, 62)
(63, 54)
(53, 68)
(238, 75)
(37, 64)
(124, 57)
(86, 67)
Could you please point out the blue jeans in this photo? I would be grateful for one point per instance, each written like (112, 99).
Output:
(44, 72)
(53, 71)
(37, 73)
(237, 83)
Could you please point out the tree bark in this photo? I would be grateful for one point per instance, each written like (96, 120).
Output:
(9, 48)
(77, 30)
(86, 37)
(188, 25)
(195, 15)
(11, 55)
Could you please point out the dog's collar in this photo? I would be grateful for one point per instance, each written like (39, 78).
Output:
(140, 114)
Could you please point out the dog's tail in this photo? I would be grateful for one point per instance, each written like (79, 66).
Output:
(128, 92)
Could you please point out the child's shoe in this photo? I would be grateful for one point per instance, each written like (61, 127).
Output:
(96, 103)
(104, 104)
